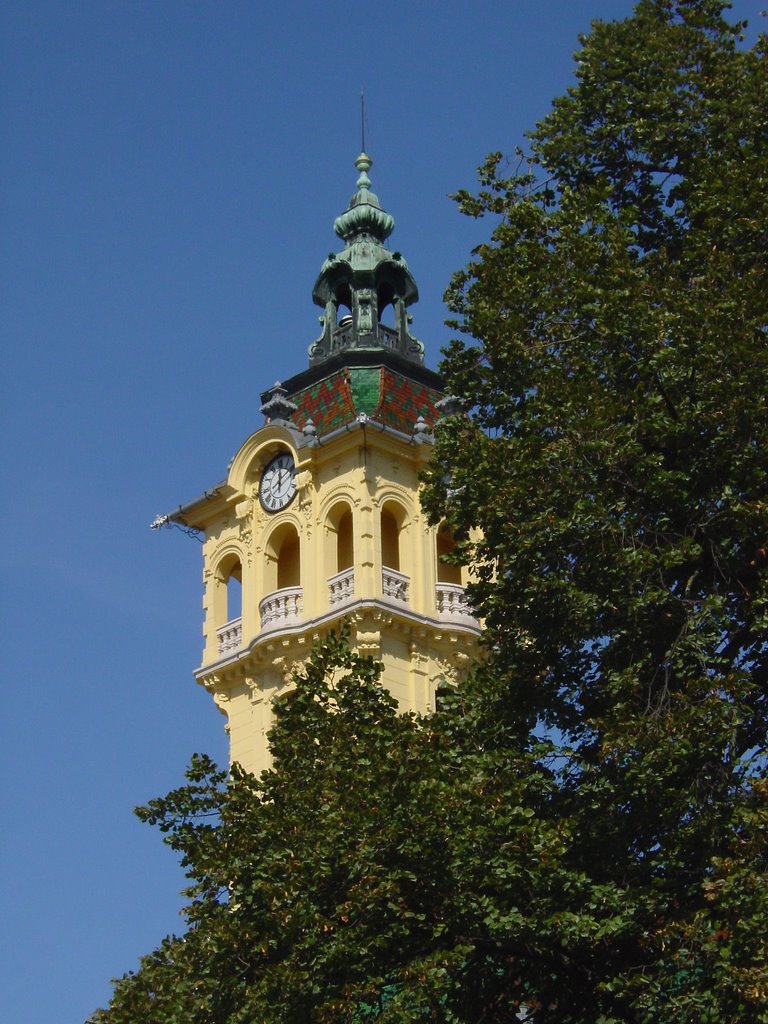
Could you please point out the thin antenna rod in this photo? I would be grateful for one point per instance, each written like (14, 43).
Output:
(362, 120)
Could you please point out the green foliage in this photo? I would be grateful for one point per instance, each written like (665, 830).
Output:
(616, 462)
(578, 835)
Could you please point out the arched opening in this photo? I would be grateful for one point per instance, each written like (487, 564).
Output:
(283, 561)
(345, 542)
(393, 582)
(340, 553)
(289, 563)
(447, 572)
(450, 593)
(229, 589)
(385, 302)
(343, 297)
(228, 604)
(283, 598)
(390, 538)
(234, 597)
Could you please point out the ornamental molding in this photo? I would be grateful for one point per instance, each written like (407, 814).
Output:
(446, 673)
(336, 493)
(449, 666)
(418, 655)
(305, 507)
(290, 515)
(246, 537)
(286, 667)
(441, 639)
(258, 515)
(390, 490)
(303, 480)
(369, 641)
(244, 509)
(230, 546)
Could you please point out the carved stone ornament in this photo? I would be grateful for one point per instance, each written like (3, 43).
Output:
(446, 670)
(244, 509)
(418, 654)
(245, 537)
(278, 407)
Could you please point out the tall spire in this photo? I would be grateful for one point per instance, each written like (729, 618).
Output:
(356, 286)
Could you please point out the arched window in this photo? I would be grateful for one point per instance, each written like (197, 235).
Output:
(345, 542)
(283, 596)
(393, 582)
(229, 584)
(446, 571)
(340, 553)
(390, 536)
(227, 604)
(283, 561)
(234, 596)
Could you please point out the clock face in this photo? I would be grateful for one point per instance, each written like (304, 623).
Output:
(278, 483)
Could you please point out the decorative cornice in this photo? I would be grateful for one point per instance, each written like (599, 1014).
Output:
(437, 629)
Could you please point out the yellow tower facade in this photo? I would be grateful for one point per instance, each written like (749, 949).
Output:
(318, 521)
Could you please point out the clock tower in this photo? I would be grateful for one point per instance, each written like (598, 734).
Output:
(318, 520)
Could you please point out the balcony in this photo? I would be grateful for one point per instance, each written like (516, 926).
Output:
(281, 608)
(230, 636)
(341, 587)
(451, 602)
(394, 584)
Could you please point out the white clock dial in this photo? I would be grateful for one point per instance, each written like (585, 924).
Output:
(278, 483)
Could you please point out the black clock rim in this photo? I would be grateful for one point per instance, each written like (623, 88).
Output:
(275, 511)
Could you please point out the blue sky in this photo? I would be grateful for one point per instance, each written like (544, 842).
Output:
(169, 178)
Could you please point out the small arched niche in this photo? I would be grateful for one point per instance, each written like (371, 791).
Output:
(447, 572)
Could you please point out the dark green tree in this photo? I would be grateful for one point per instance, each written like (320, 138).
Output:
(616, 462)
(579, 835)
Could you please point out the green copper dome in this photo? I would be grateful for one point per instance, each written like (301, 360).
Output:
(364, 215)
(365, 289)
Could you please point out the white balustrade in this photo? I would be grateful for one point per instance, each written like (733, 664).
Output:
(394, 584)
(281, 607)
(341, 587)
(230, 635)
(451, 602)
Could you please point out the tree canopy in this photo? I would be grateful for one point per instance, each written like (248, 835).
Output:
(579, 834)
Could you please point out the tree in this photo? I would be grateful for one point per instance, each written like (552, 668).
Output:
(578, 834)
(616, 460)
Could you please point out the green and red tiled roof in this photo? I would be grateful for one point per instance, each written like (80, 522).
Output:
(384, 395)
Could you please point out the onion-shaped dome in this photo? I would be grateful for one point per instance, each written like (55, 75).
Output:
(364, 215)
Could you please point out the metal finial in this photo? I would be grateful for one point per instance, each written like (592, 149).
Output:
(363, 164)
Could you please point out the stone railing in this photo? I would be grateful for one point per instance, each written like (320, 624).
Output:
(341, 587)
(281, 608)
(230, 636)
(451, 602)
(389, 337)
(394, 584)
